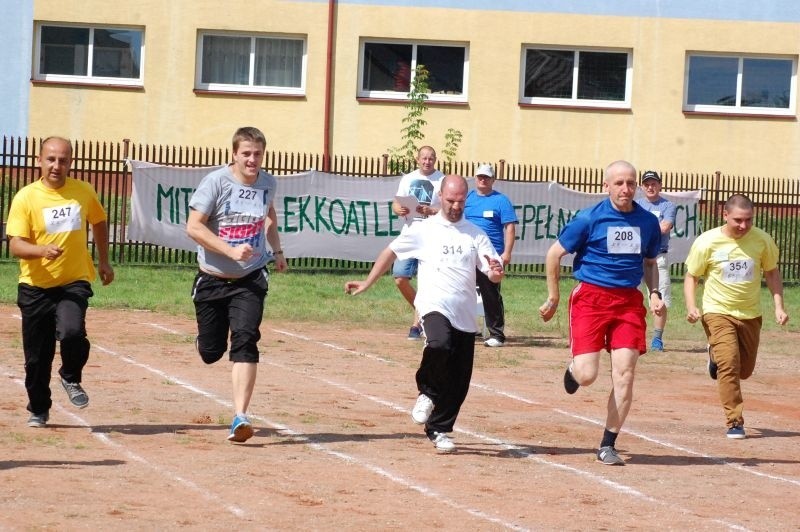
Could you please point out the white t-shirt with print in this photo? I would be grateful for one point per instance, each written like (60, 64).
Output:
(424, 188)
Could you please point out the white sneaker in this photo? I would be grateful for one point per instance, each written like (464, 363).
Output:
(493, 342)
(442, 442)
(422, 409)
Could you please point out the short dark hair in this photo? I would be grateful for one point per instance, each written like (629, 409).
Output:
(248, 134)
(739, 200)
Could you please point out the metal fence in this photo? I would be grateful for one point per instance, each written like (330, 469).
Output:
(103, 164)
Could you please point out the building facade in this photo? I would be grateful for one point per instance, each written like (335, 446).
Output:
(681, 85)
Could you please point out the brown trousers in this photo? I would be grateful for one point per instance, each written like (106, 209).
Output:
(734, 346)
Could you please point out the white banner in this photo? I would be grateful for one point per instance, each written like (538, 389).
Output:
(341, 217)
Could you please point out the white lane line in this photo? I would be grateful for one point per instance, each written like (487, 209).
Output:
(524, 453)
(376, 469)
(333, 346)
(235, 510)
(520, 451)
(715, 459)
(299, 436)
(516, 397)
(628, 490)
(161, 327)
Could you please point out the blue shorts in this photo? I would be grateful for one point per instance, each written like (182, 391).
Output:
(405, 268)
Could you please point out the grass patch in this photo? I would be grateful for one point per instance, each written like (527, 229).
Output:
(319, 297)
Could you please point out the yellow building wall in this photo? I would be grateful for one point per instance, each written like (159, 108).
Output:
(167, 111)
(654, 133)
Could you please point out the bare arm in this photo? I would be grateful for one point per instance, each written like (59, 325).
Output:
(509, 234)
(553, 269)
(274, 240)
(775, 285)
(197, 229)
(656, 304)
(100, 234)
(23, 248)
(690, 283)
(666, 227)
(651, 274)
(381, 266)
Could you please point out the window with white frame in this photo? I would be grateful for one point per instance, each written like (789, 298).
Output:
(388, 69)
(89, 54)
(740, 84)
(251, 63)
(572, 77)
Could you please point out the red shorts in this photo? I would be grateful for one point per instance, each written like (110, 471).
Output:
(610, 318)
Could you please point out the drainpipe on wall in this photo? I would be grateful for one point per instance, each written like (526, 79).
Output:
(326, 147)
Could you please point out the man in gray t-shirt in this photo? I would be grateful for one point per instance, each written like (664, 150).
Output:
(232, 219)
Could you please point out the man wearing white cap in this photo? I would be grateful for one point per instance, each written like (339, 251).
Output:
(494, 213)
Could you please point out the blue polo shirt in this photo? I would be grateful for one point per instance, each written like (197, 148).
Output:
(491, 213)
(610, 246)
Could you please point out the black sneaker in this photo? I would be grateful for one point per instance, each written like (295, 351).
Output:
(77, 396)
(39, 420)
(712, 366)
(570, 384)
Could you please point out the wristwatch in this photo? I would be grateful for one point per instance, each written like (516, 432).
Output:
(656, 292)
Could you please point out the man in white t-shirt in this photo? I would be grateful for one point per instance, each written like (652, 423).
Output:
(423, 184)
(449, 249)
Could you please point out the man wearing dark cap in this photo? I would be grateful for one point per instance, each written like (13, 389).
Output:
(664, 210)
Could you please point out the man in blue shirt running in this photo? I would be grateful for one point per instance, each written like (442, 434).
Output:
(615, 243)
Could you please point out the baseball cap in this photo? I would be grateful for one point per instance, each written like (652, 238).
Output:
(651, 175)
(485, 169)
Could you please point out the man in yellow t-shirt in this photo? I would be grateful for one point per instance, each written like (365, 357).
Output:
(732, 258)
(47, 231)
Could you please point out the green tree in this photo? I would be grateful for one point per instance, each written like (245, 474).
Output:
(402, 158)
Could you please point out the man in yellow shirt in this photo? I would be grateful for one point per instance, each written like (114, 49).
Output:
(47, 230)
(732, 258)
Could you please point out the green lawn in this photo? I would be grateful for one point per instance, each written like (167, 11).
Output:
(297, 296)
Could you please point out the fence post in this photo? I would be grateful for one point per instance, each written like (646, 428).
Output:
(123, 215)
(717, 214)
(501, 169)
(385, 164)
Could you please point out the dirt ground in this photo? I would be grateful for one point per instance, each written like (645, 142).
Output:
(335, 448)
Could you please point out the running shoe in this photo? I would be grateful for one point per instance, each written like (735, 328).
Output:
(736, 432)
(241, 429)
(422, 409)
(39, 420)
(415, 333)
(570, 384)
(608, 456)
(77, 395)
(442, 442)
